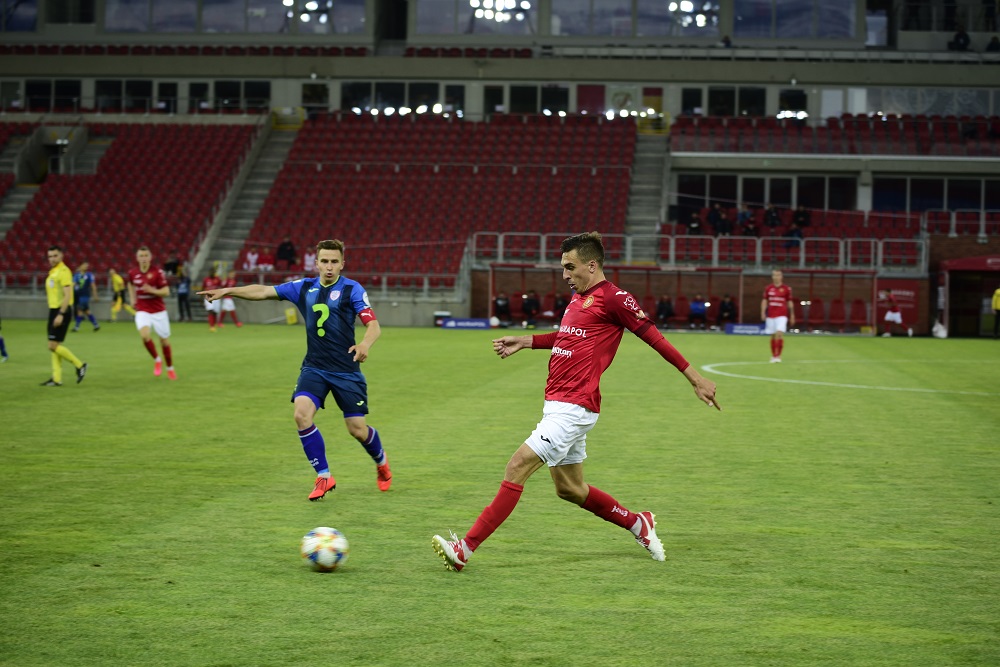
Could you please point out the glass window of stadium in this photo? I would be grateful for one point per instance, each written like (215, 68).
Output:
(390, 95)
(307, 17)
(752, 101)
(555, 98)
(197, 97)
(257, 95)
(167, 93)
(80, 12)
(794, 19)
(991, 191)
(315, 95)
(356, 95)
(108, 95)
(67, 95)
(138, 95)
(481, 17)
(454, 99)
(691, 104)
(227, 95)
(423, 94)
(524, 99)
(19, 15)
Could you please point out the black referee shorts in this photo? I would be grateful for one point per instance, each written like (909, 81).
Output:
(58, 334)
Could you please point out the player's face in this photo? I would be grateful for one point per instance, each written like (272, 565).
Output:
(329, 264)
(144, 257)
(777, 277)
(577, 273)
(55, 257)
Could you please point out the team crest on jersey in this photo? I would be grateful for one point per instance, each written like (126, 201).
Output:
(589, 302)
(334, 295)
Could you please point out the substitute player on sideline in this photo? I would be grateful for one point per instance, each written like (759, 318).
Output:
(147, 285)
(585, 345)
(329, 304)
(778, 312)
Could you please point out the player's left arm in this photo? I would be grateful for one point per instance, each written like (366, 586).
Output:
(625, 310)
(363, 308)
(791, 309)
(372, 331)
(93, 289)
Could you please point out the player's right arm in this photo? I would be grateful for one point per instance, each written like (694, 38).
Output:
(508, 345)
(763, 308)
(247, 293)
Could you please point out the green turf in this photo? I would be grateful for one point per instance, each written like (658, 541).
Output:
(157, 523)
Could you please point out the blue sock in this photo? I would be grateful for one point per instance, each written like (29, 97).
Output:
(373, 445)
(315, 448)
(93, 320)
(79, 318)
(3, 348)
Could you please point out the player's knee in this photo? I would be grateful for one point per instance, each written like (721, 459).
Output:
(571, 494)
(358, 431)
(303, 419)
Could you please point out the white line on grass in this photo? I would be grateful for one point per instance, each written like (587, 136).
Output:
(714, 368)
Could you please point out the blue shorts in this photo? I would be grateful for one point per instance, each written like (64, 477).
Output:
(350, 390)
(82, 303)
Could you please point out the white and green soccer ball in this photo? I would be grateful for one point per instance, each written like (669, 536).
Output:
(325, 548)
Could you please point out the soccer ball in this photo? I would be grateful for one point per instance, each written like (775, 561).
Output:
(325, 548)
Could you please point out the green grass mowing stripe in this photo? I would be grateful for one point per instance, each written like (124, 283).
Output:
(157, 522)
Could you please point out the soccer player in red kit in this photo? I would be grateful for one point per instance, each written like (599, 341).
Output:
(777, 311)
(146, 288)
(585, 345)
(893, 315)
(228, 305)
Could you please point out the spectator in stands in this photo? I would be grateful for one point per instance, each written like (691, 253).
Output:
(793, 237)
(501, 307)
(664, 310)
(994, 44)
(772, 217)
(286, 256)
(750, 228)
(698, 311)
(724, 227)
(713, 218)
(726, 42)
(694, 224)
(802, 217)
(266, 261)
(744, 215)
(250, 264)
(530, 306)
(171, 266)
(559, 306)
(727, 311)
(309, 261)
(961, 41)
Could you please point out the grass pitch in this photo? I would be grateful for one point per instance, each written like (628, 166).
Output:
(841, 510)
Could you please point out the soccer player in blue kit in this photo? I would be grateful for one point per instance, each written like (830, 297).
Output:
(329, 304)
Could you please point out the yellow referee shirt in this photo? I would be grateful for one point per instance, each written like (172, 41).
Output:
(996, 299)
(117, 283)
(59, 277)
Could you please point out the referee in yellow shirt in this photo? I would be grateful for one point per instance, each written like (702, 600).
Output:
(59, 290)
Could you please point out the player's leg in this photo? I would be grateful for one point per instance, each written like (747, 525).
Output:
(308, 397)
(93, 320)
(77, 316)
(58, 352)
(210, 308)
(456, 551)
(568, 480)
(3, 350)
(160, 323)
(352, 398)
(116, 306)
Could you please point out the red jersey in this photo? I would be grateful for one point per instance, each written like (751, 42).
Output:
(893, 306)
(228, 282)
(144, 301)
(211, 282)
(588, 338)
(777, 300)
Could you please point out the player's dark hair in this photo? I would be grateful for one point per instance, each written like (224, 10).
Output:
(54, 247)
(143, 247)
(330, 244)
(588, 247)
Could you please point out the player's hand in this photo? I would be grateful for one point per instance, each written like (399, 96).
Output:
(210, 295)
(508, 345)
(360, 352)
(704, 388)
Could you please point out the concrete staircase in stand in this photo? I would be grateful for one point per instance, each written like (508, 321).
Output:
(644, 197)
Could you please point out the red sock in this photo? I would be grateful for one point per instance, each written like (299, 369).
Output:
(150, 347)
(608, 509)
(167, 355)
(494, 514)
(236, 320)
(774, 347)
(211, 319)
(781, 346)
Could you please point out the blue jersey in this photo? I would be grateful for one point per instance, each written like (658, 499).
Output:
(329, 313)
(82, 283)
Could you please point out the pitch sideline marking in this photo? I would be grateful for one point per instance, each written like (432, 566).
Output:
(714, 368)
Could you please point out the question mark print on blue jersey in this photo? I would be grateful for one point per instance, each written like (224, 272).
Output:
(324, 313)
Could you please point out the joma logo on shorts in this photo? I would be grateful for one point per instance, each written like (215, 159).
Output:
(576, 331)
(561, 352)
